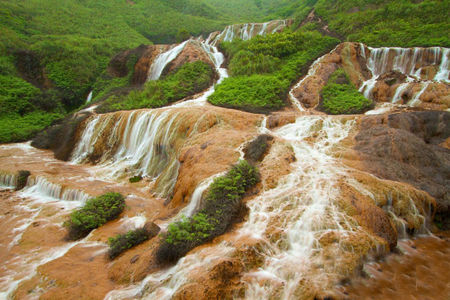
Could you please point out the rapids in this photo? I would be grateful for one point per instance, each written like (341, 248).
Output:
(303, 234)
(291, 226)
(411, 62)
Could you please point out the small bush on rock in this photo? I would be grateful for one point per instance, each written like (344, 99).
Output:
(123, 242)
(222, 206)
(339, 96)
(95, 213)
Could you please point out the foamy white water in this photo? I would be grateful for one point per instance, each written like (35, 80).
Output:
(163, 59)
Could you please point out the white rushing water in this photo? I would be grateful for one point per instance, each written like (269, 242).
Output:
(408, 61)
(44, 191)
(138, 143)
(38, 194)
(303, 205)
(311, 72)
(248, 30)
(89, 97)
(8, 181)
(218, 59)
(163, 59)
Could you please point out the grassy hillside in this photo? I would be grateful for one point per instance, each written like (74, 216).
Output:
(405, 23)
(52, 52)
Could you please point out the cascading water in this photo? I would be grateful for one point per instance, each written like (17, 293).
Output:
(218, 59)
(408, 61)
(139, 143)
(304, 204)
(163, 59)
(311, 72)
(89, 97)
(249, 30)
(44, 191)
(8, 181)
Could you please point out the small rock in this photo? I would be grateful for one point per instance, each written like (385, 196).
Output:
(152, 229)
(134, 259)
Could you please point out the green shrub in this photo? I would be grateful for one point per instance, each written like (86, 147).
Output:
(17, 128)
(247, 63)
(283, 57)
(123, 242)
(95, 213)
(256, 93)
(221, 206)
(135, 179)
(403, 23)
(339, 96)
(189, 79)
(256, 149)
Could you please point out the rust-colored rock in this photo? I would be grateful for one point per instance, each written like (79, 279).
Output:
(142, 66)
(192, 52)
(406, 147)
(152, 229)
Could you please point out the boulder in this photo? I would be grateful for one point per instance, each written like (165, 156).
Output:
(409, 147)
(152, 229)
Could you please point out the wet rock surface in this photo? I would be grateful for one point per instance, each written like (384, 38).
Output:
(409, 147)
(420, 271)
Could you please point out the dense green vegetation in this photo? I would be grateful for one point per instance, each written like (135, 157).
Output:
(123, 242)
(261, 84)
(340, 96)
(405, 23)
(93, 214)
(63, 46)
(188, 80)
(54, 52)
(221, 206)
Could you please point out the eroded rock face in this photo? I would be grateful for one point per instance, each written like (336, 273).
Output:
(409, 147)
(142, 66)
(192, 52)
(417, 77)
(120, 64)
(61, 138)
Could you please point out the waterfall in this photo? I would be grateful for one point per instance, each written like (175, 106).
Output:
(139, 143)
(197, 196)
(8, 181)
(311, 72)
(408, 61)
(44, 191)
(416, 100)
(263, 28)
(399, 92)
(163, 59)
(84, 146)
(218, 59)
(444, 69)
(243, 32)
(310, 189)
(89, 97)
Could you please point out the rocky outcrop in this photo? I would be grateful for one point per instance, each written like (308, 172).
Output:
(30, 68)
(142, 66)
(416, 77)
(121, 64)
(61, 137)
(192, 52)
(409, 147)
